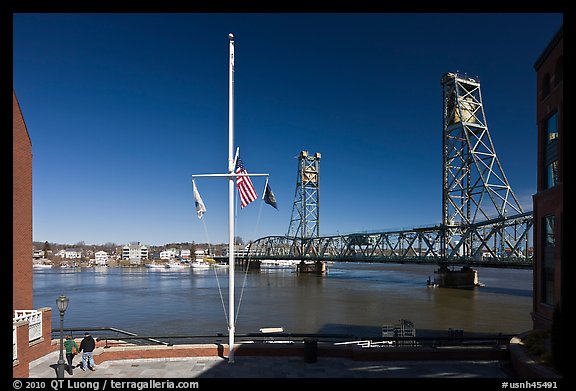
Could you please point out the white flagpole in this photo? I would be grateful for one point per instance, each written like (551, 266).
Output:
(231, 177)
(231, 162)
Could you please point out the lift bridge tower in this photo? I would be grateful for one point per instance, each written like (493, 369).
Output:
(305, 220)
(474, 187)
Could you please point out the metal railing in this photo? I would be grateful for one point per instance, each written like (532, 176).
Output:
(113, 334)
(99, 333)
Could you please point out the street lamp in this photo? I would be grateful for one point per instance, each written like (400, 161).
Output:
(62, 303)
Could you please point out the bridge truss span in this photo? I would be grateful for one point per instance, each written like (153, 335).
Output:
(499, 242)
(474, 188)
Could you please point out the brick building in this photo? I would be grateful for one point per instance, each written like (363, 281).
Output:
(548, 203)
(21, 211)
(32, 329)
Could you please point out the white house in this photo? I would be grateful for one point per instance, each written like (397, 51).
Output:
(101, 258)
(185, 254)
(168, 254)
(70, 253)
(200, 254)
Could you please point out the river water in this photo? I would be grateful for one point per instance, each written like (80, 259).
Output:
(352, 298)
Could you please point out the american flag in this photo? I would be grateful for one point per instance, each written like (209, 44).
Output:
(244, 185)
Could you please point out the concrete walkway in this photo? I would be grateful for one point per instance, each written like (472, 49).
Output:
(272, 367)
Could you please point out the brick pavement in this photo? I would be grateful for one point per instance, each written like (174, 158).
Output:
(273, 367)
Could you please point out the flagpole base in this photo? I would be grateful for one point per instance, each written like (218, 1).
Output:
(231, 355)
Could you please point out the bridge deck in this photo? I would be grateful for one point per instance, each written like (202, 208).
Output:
(500, 242)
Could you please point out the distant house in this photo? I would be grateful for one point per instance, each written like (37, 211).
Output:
(135, 252)
(185, 254)
(101, 258)
(38, 254)
(168, 254)
(200, 254)
(70, 253)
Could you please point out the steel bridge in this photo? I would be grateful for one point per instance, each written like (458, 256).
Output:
(483, 223)
(500, 242)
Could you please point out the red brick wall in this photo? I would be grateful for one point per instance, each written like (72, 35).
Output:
(22, 212)
(548, 201)
(20, 367)
(27, 351)
(546, 105)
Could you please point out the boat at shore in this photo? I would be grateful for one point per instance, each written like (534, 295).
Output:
(156, 266)
(177, 265)
(200, 265)
(279, 264)
(41, 265)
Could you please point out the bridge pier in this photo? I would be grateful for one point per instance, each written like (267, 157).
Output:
(318, 267)
(463, 278)
(250, 264)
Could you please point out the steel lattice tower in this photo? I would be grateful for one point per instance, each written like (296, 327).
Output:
(483, 223)
(305, 220)
(474, 185)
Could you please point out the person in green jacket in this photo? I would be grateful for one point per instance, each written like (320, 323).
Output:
(71, 351)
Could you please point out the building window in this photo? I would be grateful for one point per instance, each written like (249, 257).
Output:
(549, 241)
(550, 132)
(559, 71)
(545, 85)
(552, 174)
(552, 127)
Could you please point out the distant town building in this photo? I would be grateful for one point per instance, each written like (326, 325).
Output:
(101, 258)
(200, 254)
(548, 203)
(70, 253)
(168, 254)
(185, 254)
(38, 254)
(135, 252)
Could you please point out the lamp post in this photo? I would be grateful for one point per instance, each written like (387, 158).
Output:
(62, 303)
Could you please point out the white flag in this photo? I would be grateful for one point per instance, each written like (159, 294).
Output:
(200, 208)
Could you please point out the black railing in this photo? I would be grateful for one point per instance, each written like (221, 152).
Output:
(99, 334)
(113, 334)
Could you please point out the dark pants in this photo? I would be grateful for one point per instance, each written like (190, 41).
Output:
(69, 357)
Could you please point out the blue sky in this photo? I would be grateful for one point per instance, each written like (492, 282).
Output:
(123, 108)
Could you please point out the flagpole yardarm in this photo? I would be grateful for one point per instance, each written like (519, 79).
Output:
(225, 175)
